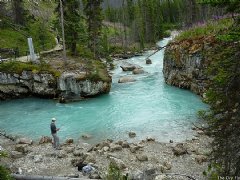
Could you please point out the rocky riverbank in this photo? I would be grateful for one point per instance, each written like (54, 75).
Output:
(142, 160)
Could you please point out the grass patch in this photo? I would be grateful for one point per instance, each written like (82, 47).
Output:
(97, 71)
(19, 67)
(211, 28)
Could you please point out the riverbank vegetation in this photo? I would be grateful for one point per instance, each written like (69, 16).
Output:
(223, 91)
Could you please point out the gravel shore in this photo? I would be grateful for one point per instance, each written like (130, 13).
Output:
(147, 159)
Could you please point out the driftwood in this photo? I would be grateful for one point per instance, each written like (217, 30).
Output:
(35, 177)
(159, 49)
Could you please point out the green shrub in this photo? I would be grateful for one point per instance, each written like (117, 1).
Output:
(114, 173)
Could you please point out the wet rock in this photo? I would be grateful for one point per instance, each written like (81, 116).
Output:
(16, 154)
(120, 142)
(38, 158)
(24, 141)
(150, 139)
(23, 148)
(45, 139)
(86, 136)
(171, 141)
(142, 157)
(179, 149)
(200, 159)
(138, 71)
(118, 162)
(126, 79)
(132, 134)
(148, 61)
(129, 67)
(115, 147)
(69, 141)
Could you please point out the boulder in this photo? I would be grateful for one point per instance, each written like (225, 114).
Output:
(24, 141)
(90, 158)
(16, 154)
(134, 148)
(115, 147)
(23, 148)
(129, 67)
(118, 162)
(69, 141)
(148, 61)
(125, 144)
(126, 79)
(150, 139)
(179, 149)
(142, 157)
(106, 148)
(76, 161)
(45, 139)
(200, 159)
(138, 71)
(132, 134)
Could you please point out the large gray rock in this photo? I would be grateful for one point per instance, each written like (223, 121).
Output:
(118, 162)
(115, 147)
(142, 157)
(23, 148)
(24, 141)
(126, 79)
(129, 67)
(179, 149)
(45, 139)
(138, 71)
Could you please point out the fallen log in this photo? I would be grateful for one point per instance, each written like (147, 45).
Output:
(36, 177)
(160, 48)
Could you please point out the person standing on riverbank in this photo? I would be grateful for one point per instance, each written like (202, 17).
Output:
(54, 133)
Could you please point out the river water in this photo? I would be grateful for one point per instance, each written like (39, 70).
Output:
(148, 107)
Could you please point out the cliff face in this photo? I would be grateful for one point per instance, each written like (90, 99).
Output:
(47, 85)
(185, 62)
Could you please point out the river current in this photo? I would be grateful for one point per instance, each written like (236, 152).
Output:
(148, 107)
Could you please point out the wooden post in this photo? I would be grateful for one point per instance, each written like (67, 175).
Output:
(63, 34)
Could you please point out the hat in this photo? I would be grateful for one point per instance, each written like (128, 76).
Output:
(54, 119)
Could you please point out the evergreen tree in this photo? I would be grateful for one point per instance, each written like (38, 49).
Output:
(93, 11)
(18, 12)
(73, 24)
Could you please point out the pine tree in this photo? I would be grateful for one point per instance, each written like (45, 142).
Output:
(93, 11)
(18, 12)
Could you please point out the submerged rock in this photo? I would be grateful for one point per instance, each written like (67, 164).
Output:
(148, 61)
(126, 79)
(132, 134)
(138, 71)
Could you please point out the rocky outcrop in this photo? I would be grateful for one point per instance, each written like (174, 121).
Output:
(69, 84)
(185, 63)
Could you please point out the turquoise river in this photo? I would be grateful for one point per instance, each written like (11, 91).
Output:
(148, 107)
